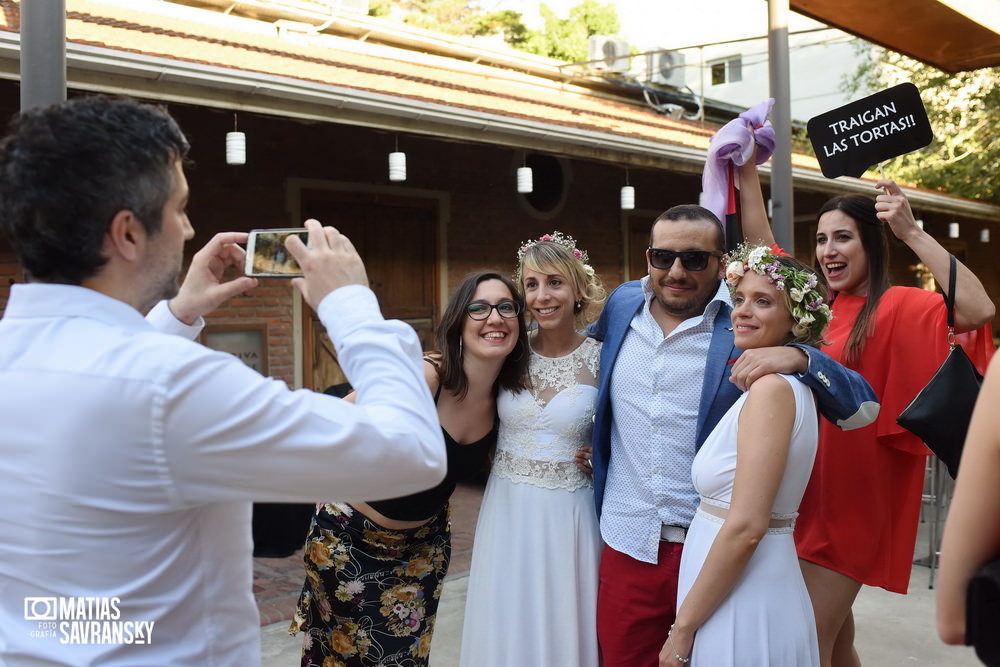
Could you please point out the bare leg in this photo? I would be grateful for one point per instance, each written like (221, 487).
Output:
(844, 654)
(832, 596)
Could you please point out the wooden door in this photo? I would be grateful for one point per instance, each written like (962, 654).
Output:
(635, 251)
(397, 238)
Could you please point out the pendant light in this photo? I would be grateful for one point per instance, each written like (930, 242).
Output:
(236, 145)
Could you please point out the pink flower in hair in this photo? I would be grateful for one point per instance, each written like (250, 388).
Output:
(565, 241)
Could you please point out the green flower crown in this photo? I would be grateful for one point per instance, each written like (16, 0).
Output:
(564, 240)
(810, 313)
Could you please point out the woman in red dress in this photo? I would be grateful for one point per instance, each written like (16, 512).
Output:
(858, 519)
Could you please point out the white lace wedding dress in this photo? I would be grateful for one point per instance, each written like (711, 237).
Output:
(532, 598)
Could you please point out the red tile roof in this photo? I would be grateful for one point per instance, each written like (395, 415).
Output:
(352, 64)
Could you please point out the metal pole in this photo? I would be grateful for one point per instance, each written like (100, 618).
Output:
(782, 213)
(43, 52)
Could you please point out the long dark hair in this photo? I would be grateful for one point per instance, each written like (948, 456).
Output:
(876, 245)
(514, 371)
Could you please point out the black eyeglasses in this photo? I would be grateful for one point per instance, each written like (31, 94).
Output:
(480, 310)
(691, 260)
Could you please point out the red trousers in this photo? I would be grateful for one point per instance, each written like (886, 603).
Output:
(636, 605)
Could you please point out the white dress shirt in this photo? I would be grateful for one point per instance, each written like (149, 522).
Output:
(656, 387)
(129, 459)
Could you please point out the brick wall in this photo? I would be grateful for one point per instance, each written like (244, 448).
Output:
(269, 304)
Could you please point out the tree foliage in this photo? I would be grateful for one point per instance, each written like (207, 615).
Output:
(964, 111)
(567, 38)
(562, 38)
(452, 17)
(506, 22)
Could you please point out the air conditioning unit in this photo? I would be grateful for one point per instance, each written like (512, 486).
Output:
(609, 53)
(666, 68)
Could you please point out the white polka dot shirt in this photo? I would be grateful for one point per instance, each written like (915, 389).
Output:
(656, 388)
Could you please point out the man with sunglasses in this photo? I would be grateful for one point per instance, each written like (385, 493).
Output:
(669, 371)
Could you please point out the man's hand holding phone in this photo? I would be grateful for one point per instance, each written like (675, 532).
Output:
(330, 261)
(204, 289)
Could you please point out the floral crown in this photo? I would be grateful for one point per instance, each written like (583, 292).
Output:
(810, 313)
(564, 240)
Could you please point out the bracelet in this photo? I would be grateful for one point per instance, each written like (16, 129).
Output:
(677, 656)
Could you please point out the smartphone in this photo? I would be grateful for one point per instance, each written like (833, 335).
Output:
(267, 256)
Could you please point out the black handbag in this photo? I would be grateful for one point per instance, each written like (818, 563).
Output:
(940, 414)
(982, 609)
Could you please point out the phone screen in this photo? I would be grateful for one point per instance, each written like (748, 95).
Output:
(267, 255)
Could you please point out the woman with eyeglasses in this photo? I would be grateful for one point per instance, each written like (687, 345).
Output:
(374, 570)
(532, 595)
(741, 600)
(859, 515)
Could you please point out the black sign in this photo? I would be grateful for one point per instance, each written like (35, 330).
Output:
(852, 138)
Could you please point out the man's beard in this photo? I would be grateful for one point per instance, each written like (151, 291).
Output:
(166, 287)
(688, 306)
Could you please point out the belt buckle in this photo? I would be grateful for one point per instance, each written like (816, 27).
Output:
(670, 533)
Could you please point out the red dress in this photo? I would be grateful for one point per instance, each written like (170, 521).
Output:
(860, 511)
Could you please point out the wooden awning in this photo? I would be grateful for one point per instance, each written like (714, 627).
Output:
(952, 35)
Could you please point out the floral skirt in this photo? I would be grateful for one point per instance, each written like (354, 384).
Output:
(371, 594)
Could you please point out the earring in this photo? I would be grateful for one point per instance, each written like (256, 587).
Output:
(460, 350)
(578, 306)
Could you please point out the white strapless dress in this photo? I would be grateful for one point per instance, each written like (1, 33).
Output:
(767, 619)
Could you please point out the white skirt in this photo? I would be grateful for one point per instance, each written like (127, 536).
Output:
(767, 618)
(532, 599)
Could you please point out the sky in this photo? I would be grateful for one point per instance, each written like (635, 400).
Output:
(652, 24)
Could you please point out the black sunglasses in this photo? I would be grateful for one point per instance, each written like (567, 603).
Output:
(480, 310)
(691, 260)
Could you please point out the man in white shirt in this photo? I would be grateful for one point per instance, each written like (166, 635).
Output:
(130, 456)
(669, 371)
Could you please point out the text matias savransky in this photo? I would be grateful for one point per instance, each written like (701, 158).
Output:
(85, 620)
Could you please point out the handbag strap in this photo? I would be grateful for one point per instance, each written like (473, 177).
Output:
(950, 300)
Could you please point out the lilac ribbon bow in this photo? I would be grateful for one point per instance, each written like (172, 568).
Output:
(734, 143)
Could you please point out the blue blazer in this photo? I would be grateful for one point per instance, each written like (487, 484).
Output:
(843, 395)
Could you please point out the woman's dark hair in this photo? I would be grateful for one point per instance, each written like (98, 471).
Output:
(449, 339)
(861, 209)
(66, 170)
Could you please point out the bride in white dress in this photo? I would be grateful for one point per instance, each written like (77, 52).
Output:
(532, 597)
(741, 599)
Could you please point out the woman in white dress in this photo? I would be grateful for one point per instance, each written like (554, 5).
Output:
(741, 599)
(532, 597)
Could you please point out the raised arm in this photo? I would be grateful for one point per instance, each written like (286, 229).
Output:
(753, 211)
(249, 438)
(972, 532)
(765, 431)
(973, 306)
